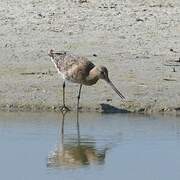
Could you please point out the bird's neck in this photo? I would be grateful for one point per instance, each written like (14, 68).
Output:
(92, 78)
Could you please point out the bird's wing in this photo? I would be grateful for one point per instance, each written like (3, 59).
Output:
(77, 61)
(77, 68)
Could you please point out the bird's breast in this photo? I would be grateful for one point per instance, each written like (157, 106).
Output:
(91, 82)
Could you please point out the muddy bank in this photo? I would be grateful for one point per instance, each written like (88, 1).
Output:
(138, 41)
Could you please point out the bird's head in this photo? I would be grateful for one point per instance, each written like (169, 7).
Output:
(102, 73)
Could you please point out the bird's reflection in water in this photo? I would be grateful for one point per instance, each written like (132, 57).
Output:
(76, 151)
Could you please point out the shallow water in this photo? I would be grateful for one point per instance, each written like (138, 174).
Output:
(113, 146)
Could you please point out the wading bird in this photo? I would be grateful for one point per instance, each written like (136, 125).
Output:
(78, 69)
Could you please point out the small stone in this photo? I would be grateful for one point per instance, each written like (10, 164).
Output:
(40, 15)
(82, 1)
(171, 50)
(70, 33)
(139, 20)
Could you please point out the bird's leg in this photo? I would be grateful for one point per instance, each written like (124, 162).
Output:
(78, 98)
(64, 108)
(64, 85)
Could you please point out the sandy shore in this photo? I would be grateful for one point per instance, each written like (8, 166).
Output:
(138, 41)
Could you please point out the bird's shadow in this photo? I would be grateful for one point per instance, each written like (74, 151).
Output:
(106, 108)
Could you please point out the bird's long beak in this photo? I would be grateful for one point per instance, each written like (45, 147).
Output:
(114, 88)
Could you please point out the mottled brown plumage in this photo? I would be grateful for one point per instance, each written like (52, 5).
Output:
(73, 68)
(78, 69)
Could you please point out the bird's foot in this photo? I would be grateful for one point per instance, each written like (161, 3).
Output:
(64, 109)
